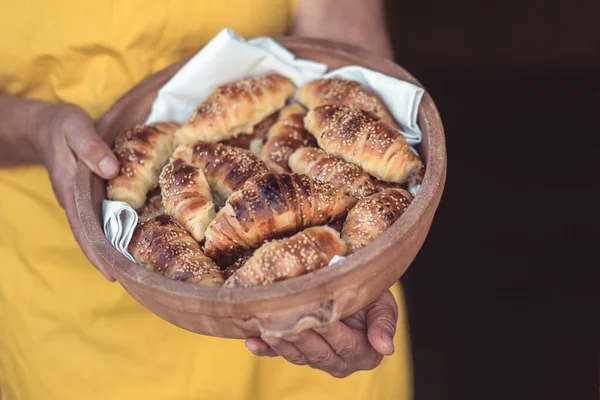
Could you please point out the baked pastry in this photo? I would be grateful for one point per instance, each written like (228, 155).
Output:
(360, 137)
(235, 108)
(382, 185)
(342, 92)
(414, 179)
(256, 146)
(259, 132)
(372, 215)
(228, 271)
(261, 129)
(226, 168)
(293, 114)
(338, 224)
(142, 152)
(287, 135)
(278, 260)
(152, 208)
(417, 178)
(242, 141)
(187, 197)
(269, 207)
(347, 177)
(162, 244)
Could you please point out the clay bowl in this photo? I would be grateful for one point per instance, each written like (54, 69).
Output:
(312, 300)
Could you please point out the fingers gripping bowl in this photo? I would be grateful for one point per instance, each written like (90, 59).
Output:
(289, 306)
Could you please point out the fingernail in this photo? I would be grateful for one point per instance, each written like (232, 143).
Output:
(388, 343)
(108, 167)
(252, 347)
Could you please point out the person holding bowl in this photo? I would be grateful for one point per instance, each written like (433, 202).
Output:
(65, 333)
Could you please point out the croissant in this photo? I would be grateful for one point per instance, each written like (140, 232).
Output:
(256, 146)
(161, 244)
(259, 132)
(347, 177)
(242, 141)
(142, 152)
(372, 215)
(414, 179)
(338, 224)
(361, 138)
(284, 137)
(278, 260)
(293, 114)
(342, 92)
(382, 185)
(226, 168)
(234, 108)
(228, 271)
(187, 197)
(152, 208)
(272, 206)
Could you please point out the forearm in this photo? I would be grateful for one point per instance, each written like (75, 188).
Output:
(358, 22)
(17, 118)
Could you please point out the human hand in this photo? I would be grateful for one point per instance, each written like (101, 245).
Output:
(62, 134)
(356, 343)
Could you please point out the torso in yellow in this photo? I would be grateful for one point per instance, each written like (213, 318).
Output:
(66, 333)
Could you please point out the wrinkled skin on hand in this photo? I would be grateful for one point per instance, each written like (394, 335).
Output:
(356, 343)
(63, 134)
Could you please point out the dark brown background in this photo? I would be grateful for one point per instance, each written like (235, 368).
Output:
(503, 299)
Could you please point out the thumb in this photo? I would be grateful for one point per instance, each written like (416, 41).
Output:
(82, 138)
(382, 317)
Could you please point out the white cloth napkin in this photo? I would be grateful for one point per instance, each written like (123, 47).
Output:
(229, 57)
(120, 220)
(335, 259)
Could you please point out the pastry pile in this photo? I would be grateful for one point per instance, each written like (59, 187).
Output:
(248, 190)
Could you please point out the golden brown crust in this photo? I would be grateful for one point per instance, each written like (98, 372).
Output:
(362, 138)
(269, 207)
(342, 92)
(287, 135)
(162, 245)
(142, 152)
(372, 215)
(338, 224)
(347, 177)
(168, 127)
(235, 266)
(414, 179)
(382, 185)
(261, 129)
(235, 108)
(292, 114)
(259, 132)
(226, 168)
(152, 208)
(187, 197)
(242, 141)
(278, 260)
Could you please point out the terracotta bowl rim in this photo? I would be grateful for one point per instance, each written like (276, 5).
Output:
(127, 271)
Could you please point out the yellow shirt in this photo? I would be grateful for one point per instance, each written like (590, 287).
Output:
(66, 333)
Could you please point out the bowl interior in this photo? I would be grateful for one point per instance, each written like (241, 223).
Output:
(134, 107)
